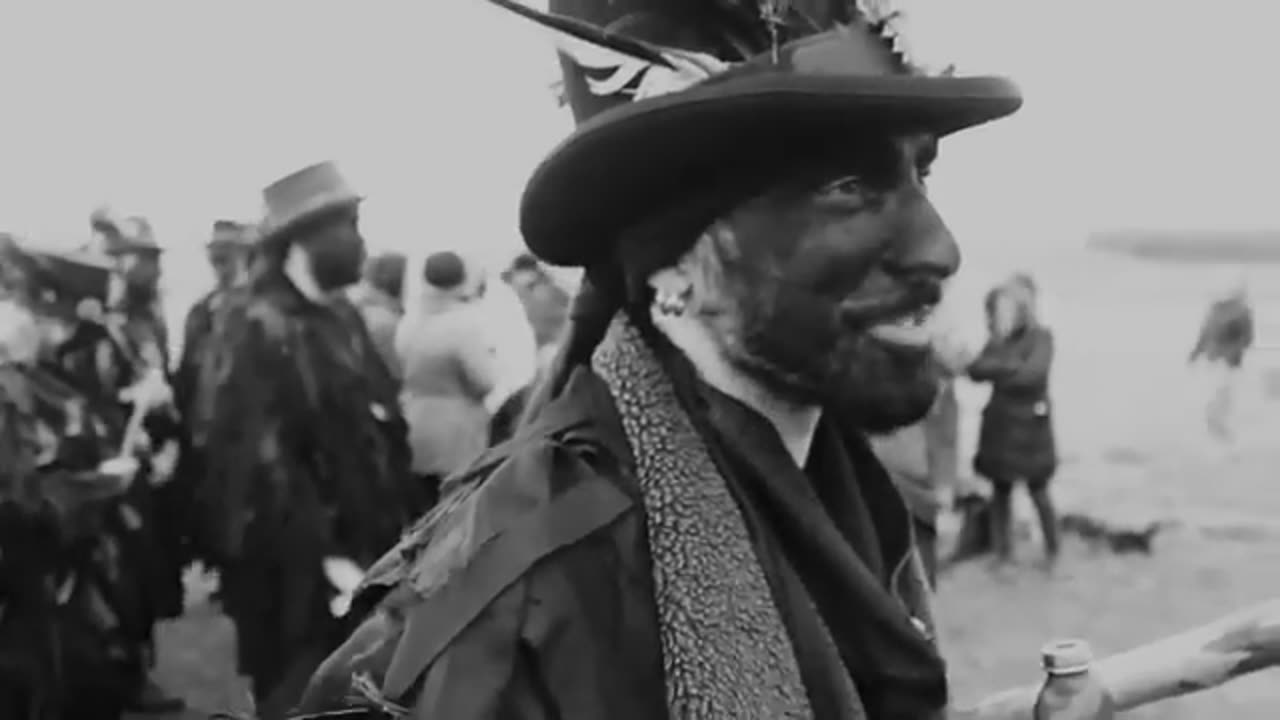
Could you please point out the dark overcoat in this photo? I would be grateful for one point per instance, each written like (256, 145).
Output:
(1016, 442)
(536, 599)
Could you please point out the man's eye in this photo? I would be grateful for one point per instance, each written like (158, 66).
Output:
(849, 187)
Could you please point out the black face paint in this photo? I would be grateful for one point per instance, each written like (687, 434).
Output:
(817, 263)
(335, 252)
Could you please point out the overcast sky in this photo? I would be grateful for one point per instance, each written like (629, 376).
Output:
(1139, 112)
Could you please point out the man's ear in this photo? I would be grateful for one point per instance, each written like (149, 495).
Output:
(673, 281)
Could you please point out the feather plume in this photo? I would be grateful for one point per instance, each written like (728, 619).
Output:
(600, 38)
(635, 67)
(619, 63)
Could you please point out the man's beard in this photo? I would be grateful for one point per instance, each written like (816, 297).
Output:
(335, 264)
(797, 346)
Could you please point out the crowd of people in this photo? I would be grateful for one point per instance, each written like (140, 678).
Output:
(91, 441)
(716, 495)
(308, 418)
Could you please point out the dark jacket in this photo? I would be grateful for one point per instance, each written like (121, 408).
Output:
(305, 456)
(195, 331)
(528, 594)
(1016, 441)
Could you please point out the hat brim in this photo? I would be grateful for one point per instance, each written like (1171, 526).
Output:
(639, 157)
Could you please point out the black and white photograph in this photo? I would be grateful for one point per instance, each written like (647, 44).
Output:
(639, 360)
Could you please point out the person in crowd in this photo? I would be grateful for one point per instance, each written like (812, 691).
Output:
(80, 649)
(546, 307)
(513, 340)
(1016, 443)
(228, 251)
(50, 649)
(545, 302)
(690, 522)
(1226, 335)
(450, 369)
(306, 464)
(155, 550)
(380, 298)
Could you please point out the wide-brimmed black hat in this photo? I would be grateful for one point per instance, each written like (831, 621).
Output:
(661, 121)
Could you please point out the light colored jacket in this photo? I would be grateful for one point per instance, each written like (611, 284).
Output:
(449, 368)
(381, 314)
(512, 339)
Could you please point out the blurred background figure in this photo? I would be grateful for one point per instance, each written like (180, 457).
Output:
(546, 307)
(545, 303)
(228, 250)
(305, 460)
(513, 341)
(20, 332)
(450, 368)
(1226, 335)
(380, 299)
(135, 319)
(1016, 442)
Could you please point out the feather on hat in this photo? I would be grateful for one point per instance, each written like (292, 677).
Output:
(672, 95)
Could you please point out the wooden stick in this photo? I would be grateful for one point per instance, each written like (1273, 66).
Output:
(1203, 658)
(1196, 660)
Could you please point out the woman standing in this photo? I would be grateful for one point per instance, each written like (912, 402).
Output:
(1016, 443)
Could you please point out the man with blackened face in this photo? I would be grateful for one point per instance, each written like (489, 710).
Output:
(819, 289)
(689, 522)
(334, 250)
(303, 454)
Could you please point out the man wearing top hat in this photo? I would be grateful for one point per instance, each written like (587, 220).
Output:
(304, 447)
(689, 522)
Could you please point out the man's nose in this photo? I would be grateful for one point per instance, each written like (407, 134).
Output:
(923, 249)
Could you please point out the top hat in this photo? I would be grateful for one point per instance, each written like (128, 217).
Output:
(300, 196)
(673, 96)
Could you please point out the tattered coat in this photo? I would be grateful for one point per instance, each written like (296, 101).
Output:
(530, 592)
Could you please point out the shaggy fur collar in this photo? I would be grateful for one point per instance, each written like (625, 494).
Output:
(725, 649)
